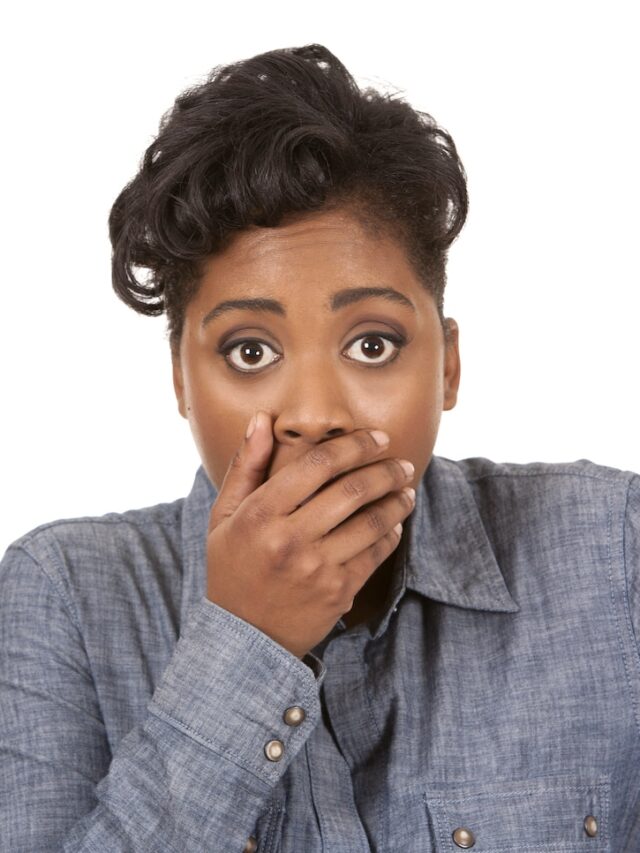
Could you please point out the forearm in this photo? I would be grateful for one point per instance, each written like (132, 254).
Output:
(193, 772)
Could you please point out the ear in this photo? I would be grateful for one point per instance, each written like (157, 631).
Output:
(178, 384)
(451, 365)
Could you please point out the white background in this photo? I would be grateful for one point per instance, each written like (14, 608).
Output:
(542, 101)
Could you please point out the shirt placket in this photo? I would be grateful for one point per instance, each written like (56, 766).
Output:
(344, 736)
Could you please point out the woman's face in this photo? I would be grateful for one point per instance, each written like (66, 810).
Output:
(321, 355)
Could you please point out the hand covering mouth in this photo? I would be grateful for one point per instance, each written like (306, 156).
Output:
(313, 494)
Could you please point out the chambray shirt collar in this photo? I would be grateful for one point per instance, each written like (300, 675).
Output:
(195, 524)
(445, 552)
(449, 556)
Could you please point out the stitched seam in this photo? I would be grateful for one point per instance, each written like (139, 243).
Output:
(632, 627)
(259, 639)
(312, 797)
(585, 843)
(602, 788)
(625, 662)
(273, 830)
(90, 520)
(382, 810)
(370, 707)
(581, 475)
(431, 819)
(307, 698)
(605, 815)
(265, 778)
(521, 792)
(381, 821)
(612, 478)
(56, 584)
(69, 607)
(441, 830)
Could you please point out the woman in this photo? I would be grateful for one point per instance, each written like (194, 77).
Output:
(304, 654)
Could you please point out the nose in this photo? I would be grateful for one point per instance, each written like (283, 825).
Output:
(314, 407)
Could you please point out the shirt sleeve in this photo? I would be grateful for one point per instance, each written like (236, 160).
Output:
(194, 774)
(632, 555)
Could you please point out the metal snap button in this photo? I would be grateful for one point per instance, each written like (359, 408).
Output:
(294, 716)
(463, 838)
(274, 750)
(251, 846)
(591, 826)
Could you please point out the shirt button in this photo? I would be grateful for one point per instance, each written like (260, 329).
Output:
(274, 750)
(294, 716)
(464, 838)
(251, 846)
(591, 826)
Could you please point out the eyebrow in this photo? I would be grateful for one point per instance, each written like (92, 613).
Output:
(338, 300)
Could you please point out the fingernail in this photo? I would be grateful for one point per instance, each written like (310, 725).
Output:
(380, 438)
(407, 467)
(251, 427)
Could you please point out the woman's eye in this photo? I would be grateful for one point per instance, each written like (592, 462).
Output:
(251, 356)
(248, 355)
(375, 348)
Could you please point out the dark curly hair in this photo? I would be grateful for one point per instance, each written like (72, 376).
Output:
(283, 133)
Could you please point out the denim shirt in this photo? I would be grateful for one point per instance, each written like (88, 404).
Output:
(493, 704)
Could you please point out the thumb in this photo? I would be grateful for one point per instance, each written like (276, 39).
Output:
(246, 470)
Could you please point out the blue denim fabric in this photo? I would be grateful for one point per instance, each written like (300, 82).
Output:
(498, 692)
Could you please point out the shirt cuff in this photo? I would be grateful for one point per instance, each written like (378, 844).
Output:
(228, 686)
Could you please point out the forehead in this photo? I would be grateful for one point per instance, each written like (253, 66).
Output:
(313, 256)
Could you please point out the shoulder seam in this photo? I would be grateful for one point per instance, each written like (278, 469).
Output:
(613, 478)
(634, 483)
(581, 468)
(56, 585)
(98, 519)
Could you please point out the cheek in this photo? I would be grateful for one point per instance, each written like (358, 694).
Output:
(216, 429)
(416, 423)
(217, 440)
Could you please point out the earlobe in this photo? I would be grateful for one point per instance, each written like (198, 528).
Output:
(451, 365)
(178, 385)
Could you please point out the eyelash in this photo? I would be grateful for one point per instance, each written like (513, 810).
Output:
(398, 341)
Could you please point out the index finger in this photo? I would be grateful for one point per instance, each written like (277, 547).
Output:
(298, 481)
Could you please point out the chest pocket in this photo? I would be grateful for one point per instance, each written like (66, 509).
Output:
(555, 814)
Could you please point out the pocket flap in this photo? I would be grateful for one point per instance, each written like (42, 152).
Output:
(555, 814)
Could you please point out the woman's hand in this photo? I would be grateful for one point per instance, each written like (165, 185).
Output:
(292, 571)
